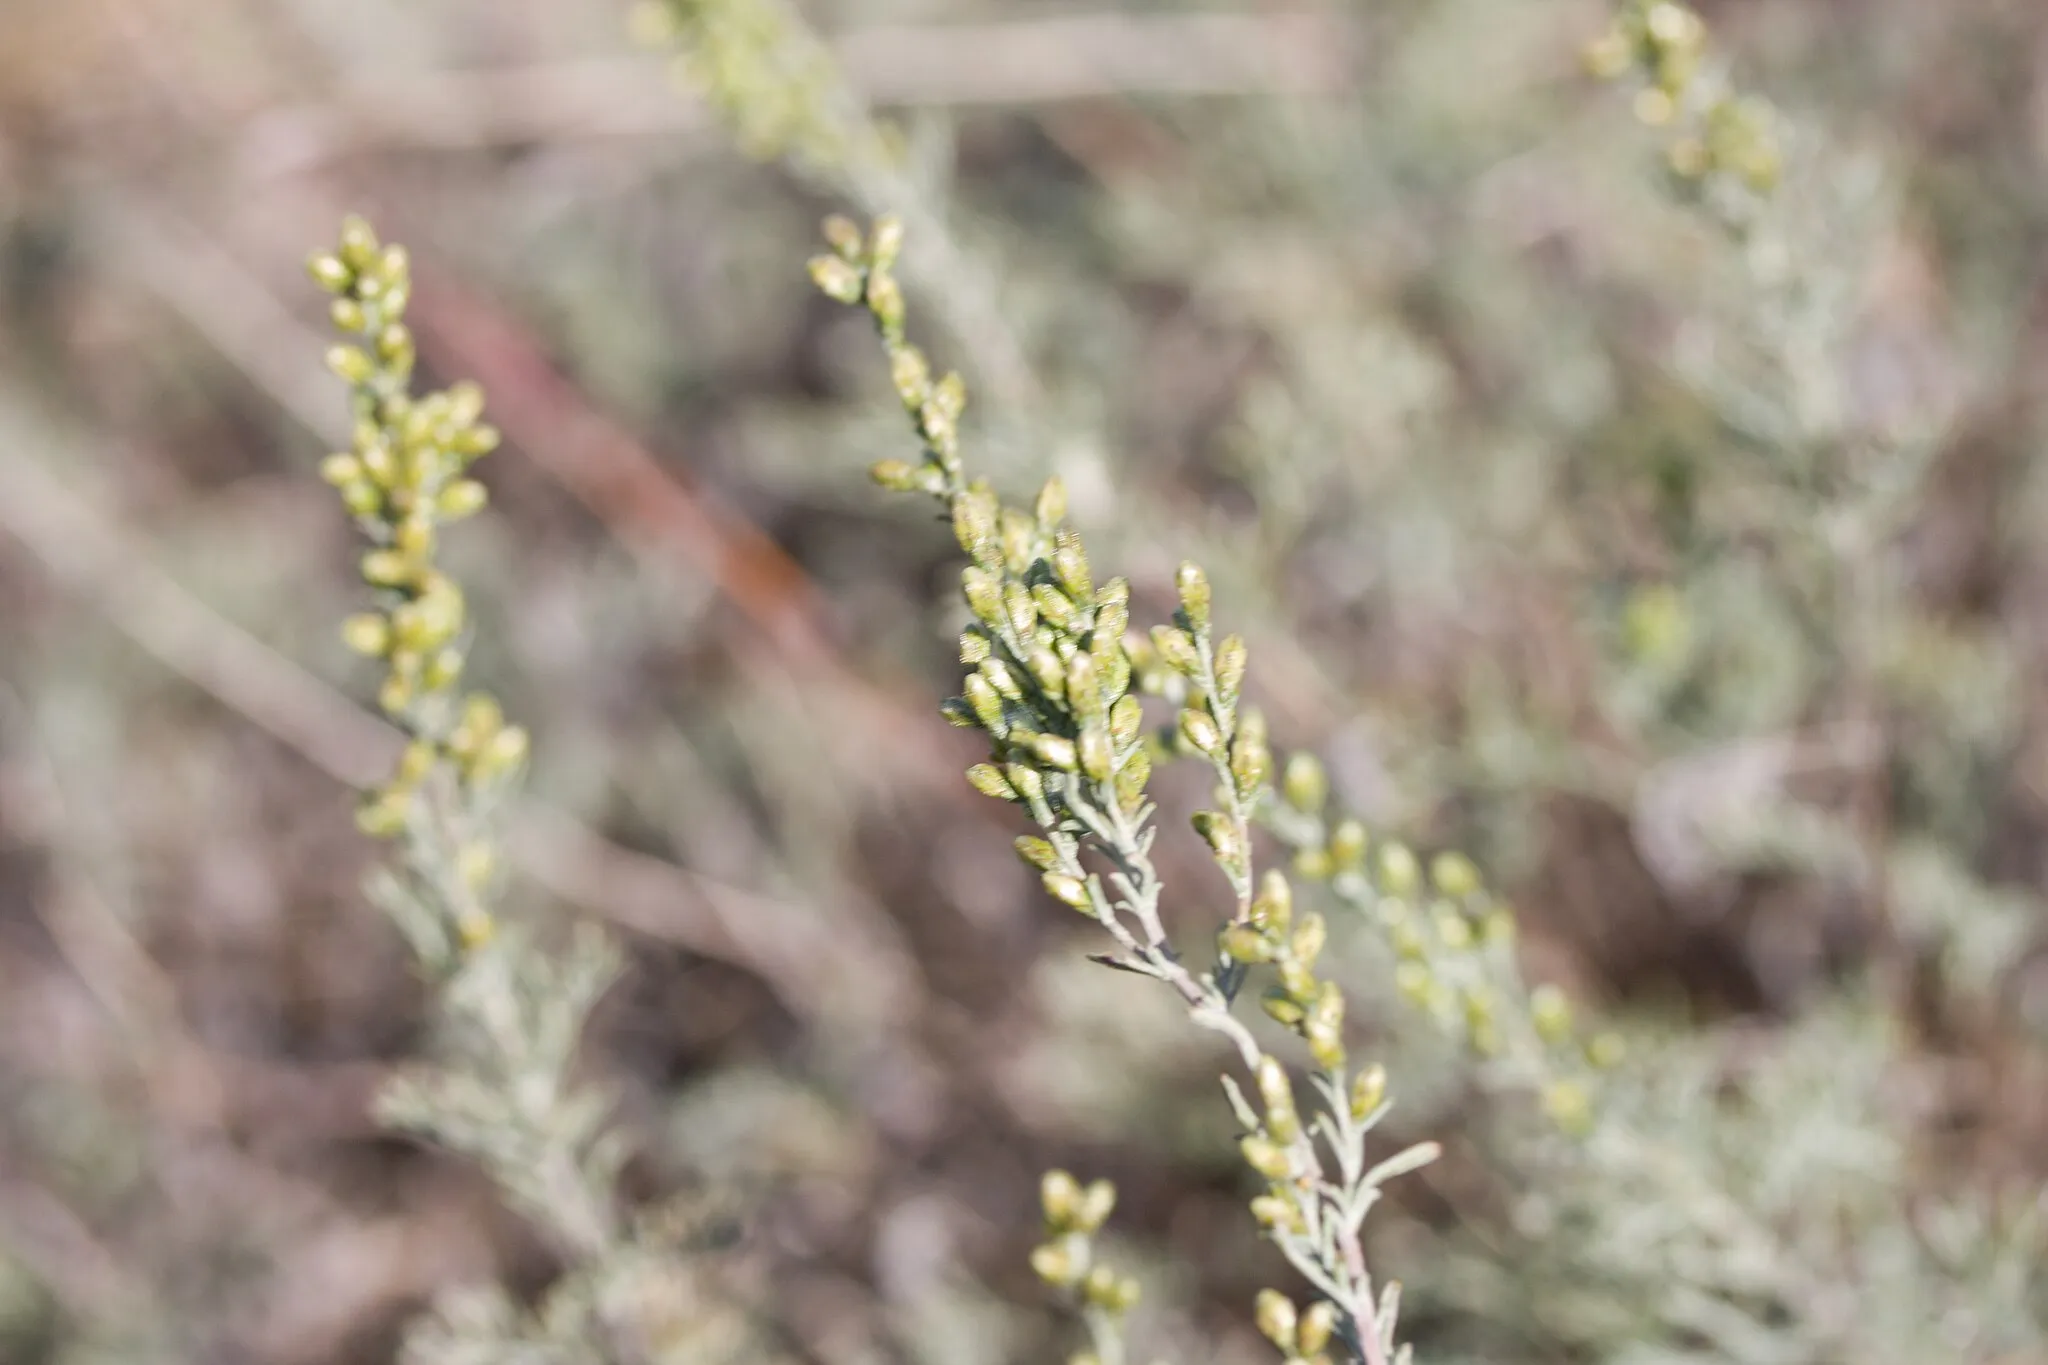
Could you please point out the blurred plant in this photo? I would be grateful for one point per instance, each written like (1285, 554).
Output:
(1053, 664)
(1067, 1260)
(509, 1009)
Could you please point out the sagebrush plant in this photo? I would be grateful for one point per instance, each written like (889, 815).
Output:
(1052, 688)
(509, 1007)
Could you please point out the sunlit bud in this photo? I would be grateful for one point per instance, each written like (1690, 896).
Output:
(1126, 718)
(1026, 780)
(1273, 907)
(1098, 755)
(462, 498)
(988, 779)
(1176, 649)
(1348, 844)
(1054, 606)
(1368, 1091)
(1095, 1205)
(843, 234)
(1275, 1316)
(1399, 873)
(1316, 1326)
(1113, 610)
(1309, 937)
(1056, 751)
(367, 633)
(1265, 1156)
(837, 278)
(1551, 1013)
(1037, 852)
(1059, 1194)
(1070, 566)
(1193, 586)
(1230, 665)
(1282, 1008)
(885, 242)
(1051, 505)
(329, 272)
(1246, 944)
(1304, 783)
(1068, 890)
(1131, 779)
(352, 363)
(1198, 730)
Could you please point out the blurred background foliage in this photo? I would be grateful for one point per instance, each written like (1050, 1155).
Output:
(1691, 577)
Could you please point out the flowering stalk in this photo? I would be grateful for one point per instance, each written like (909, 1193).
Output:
(1051, 660)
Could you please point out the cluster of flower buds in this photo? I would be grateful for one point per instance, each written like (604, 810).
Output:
(1074, 1213)
(761, 69)
(1301, 1336)
(1720, 134)
(405, 476)
(1051, 679)
(1452, 942)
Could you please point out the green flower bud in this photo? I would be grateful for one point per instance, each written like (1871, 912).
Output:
(1316, 1326)
(837, 278)
(1304, 783)
(1059, 1194)
(1176, 649)
(1282, 1008)
(1368, 1091)
(367, 633)
(1198, 730)
(1277, 1212)
(885, 302)
(1019, 610)
(974, 524)
(885, 242)
(1348, 844)
(1131, 779)
(1454, 875)
(988, 779)
(1003, 679)
(982, 700)
(1047, 671)
(1273, 906)
(462, 498)
(1250, 760)
(1070, 566)
(352, 363)
(1231, 656)
(1193, 587)
(1037, 852)
(1068, 890)
(1054, 607)
(1569, 1107)
(1309, 936)
(1026, 780)
(1606, 1051)
(1278, 1093)
(347, 315)
(1098, 755)
(1245, 944)
(329, 273)
(1061, 1262)
(1551, 1013)
(1095, 1205)
(844, 236)
(1276, 1319)
(1126, 718)
(1113, 611)
(1056, 751)
(911, 377)
(1051, 505)
(1266, 1156)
